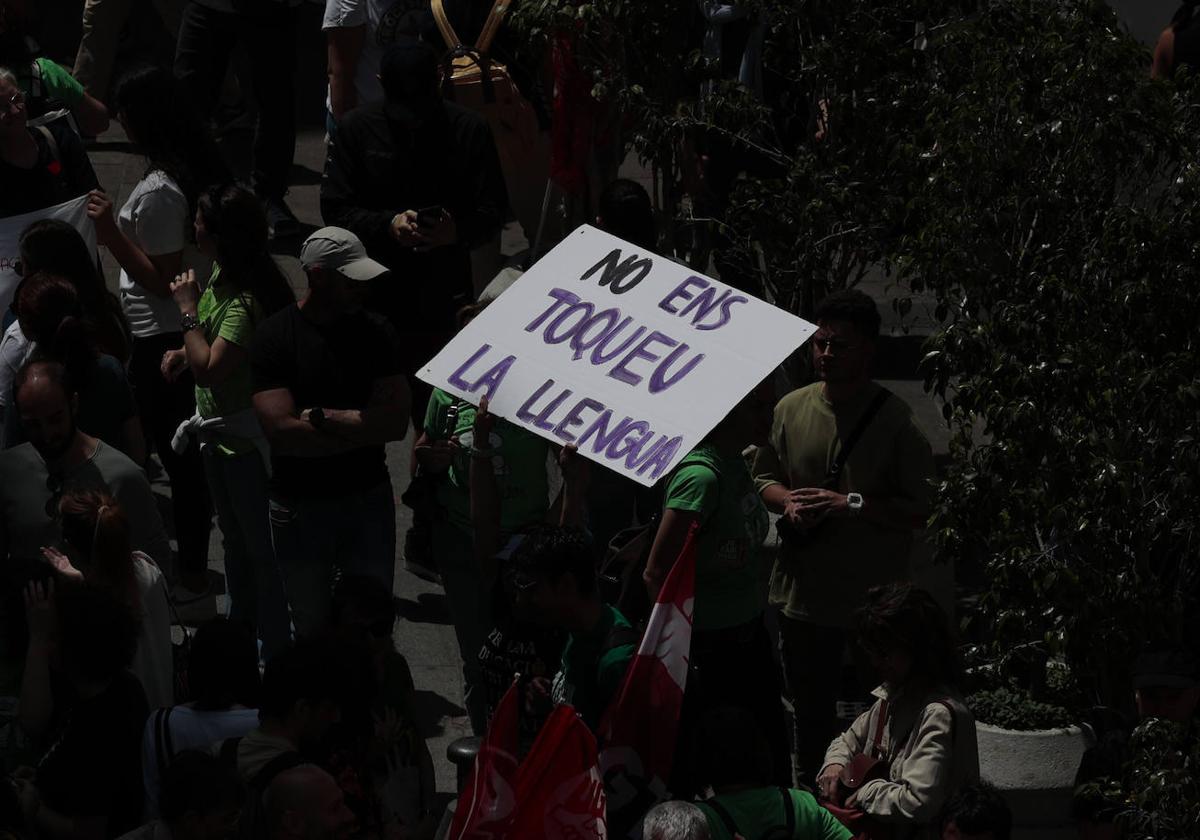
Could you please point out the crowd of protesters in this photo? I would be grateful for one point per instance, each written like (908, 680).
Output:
(294, 715)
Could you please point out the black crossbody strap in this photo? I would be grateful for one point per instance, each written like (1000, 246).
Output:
(724, 815)
(839, 460)
(789, 811)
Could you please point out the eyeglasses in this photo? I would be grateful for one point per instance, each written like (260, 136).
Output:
(14, 103)
(834, 345)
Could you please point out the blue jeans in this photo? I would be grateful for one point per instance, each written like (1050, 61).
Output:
(354, 533)
(238, 484)
(470, 602)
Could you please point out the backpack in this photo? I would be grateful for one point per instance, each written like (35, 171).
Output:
(252, 824)
(625, 558)
(778, 832)
(472, 79)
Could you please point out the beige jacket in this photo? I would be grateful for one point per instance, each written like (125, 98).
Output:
(932, 755)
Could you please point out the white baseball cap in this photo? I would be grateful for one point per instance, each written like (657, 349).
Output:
(342, 251)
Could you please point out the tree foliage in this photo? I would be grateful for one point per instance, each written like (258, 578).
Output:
(1012, 160)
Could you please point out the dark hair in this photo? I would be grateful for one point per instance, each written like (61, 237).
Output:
(1184, 14)
(309, 670)
(234, 217)
(551, 551)
(733, 749)
(901, 616)
(408, 71)
(364, 593)
(978, 809)
(97, 632)
(626, 211)
(54, 247)
(850, 305)
(94, 525)
(198, 782)
(51, 315)
(167, 129)
(222, 666)
(54, 371)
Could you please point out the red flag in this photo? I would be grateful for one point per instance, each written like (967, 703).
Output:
(554, 793)
(487, 804)
(640, 727)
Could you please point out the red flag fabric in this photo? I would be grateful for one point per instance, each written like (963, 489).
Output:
(487, 804)
(554, 793)
(640, 727)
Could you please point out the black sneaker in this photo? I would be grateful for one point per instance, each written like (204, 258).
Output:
(282, 222)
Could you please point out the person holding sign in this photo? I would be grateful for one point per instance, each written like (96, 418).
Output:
(849, 470)
(731, 650)
(39, 167)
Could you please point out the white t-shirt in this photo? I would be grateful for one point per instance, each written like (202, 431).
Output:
(384, 19)
(15, 349)
(154, 662)
(157, 219)
(190, 730)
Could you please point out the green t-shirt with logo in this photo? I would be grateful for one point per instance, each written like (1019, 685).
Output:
(232, 315)
(593, 666)
(734, 523)
(519, 464)
(759, 813)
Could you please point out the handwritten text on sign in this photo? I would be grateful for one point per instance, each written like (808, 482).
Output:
(628, 355)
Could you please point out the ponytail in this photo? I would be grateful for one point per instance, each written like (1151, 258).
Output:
(52, 316)
(94, 525)
(71, 346)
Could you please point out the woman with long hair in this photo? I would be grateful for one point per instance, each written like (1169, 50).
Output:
(919, 727)
(151, 240)
(53, 319)
(97, 551)
(55, 247)
(246, 287)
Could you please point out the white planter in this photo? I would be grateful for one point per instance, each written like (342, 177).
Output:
(1035, 770)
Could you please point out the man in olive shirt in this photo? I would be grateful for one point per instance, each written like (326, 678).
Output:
(849, 531)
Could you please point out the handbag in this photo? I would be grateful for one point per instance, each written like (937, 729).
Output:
(792, 536)
(865, 766)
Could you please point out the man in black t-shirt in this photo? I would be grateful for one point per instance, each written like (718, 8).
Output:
(330, 391)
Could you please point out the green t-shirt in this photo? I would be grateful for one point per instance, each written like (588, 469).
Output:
(232, 315)
(734, 523)
(58, 83)
(756, 812)
(593, 666)
(826, 578)
(519, 464)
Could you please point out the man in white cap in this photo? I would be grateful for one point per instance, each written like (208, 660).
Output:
(330, 391)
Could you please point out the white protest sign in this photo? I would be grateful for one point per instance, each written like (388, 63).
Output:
(630, 356)
(73, 212)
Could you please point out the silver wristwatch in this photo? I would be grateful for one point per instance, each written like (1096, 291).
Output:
(854, 502)
(190, 322)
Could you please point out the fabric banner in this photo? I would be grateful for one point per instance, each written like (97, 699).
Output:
(628, 355)
(640, 728)
(73, 212)
(554, 793)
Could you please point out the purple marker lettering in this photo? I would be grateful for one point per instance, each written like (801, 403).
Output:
(644, 452)
(661, 458)
(523, 413)
(622, 373)
(681, 291)
(563, 430)
(659, 381)
(541, 420)
(581, 344)
(702, 303)
(599, 357)
(604, 436)
(491, 380)
(584, 309)
(456, 378)
(560, 296)
(635, 435)
(726, 303)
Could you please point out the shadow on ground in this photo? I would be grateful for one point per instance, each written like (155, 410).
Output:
(429, 608)
(432, 709)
